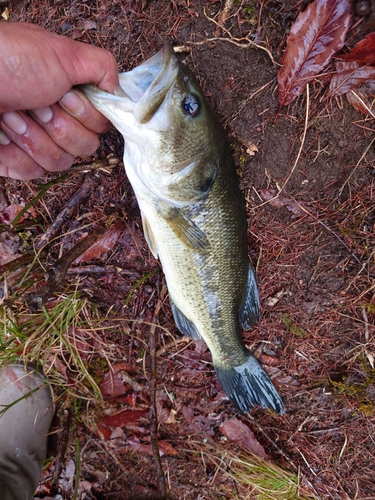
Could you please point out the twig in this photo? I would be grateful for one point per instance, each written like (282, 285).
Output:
(56, 273)
(15, 264)
(62, 444)
(243, 42)
(81, 195)
(153, 412)
(224, 15)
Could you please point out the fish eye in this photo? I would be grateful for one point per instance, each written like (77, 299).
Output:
(191, 105)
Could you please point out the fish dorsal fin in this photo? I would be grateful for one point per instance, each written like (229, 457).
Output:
(250, 309)
(149, 236)
(185, 326)
(184, 228)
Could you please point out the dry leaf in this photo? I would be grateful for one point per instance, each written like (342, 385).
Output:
(122, 418)
(235, 430)
(316, 35)
(164, 447)
(5, 14)
(362, 101)
(112, 386)
(105, 243)
(278, 201)
(89, 25)
(9, 213)
(363, 52)
(349, 75)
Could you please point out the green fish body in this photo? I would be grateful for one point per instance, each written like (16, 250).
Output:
(193, 213)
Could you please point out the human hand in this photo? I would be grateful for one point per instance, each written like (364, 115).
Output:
(37, 72)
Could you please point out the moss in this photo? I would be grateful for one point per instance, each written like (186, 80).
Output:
(358, 391)
(97, 368)
(296, 330)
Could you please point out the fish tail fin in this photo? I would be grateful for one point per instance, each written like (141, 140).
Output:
(248, 385)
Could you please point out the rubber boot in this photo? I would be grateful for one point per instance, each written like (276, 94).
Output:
(24, 428)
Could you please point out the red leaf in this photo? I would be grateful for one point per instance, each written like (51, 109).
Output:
(316, 35)
(164, 447)
(103, 245)
(112, 386)
(9, 213)
(235, 430)
(362, 100)
(349, 76)
(363, 52)
(123, 417)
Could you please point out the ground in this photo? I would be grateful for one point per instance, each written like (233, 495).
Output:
(313, 249)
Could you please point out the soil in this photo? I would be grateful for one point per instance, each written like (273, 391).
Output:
(313, 252)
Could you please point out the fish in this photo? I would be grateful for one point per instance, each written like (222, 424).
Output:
(179, 164)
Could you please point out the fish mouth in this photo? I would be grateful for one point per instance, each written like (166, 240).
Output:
(148, 84)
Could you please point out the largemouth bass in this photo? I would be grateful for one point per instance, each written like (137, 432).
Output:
(178, 162)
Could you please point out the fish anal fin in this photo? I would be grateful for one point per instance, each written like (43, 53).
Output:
(248, 385)
(250, 309)
(185, 326)
(149, 236)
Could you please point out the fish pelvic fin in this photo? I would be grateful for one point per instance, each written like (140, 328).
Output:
(185, 326)
(248, 385)
(250, 309)
(149, 236)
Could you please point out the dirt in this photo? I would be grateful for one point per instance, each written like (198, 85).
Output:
(314, 257)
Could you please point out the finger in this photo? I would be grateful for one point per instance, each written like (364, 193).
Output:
(77, 105)
(15, 163)
(65, 131)
(34, 141)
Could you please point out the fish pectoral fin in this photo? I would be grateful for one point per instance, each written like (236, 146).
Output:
(250, 309)
(185, 326)
(248, 385)
(149, 236)
(186, 230)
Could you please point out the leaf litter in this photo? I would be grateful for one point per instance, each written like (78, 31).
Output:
(314, 278)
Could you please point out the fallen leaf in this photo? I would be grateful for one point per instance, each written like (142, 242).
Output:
(9, 246)
(122, 418)
(235, 430)
(363, 52)
(362, 101)
(349, 75)
(278, 201)
(281, 379)
(112, 386)
(105, 243)
(89, 25)
(9, 213)
(316, 35)
(164, 447)
(188, 413)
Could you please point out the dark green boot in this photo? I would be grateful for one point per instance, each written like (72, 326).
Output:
(24, 427)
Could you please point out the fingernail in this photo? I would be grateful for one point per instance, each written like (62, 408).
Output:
(73, 103)
(15, 122)
(43, 114)
(4, 139)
